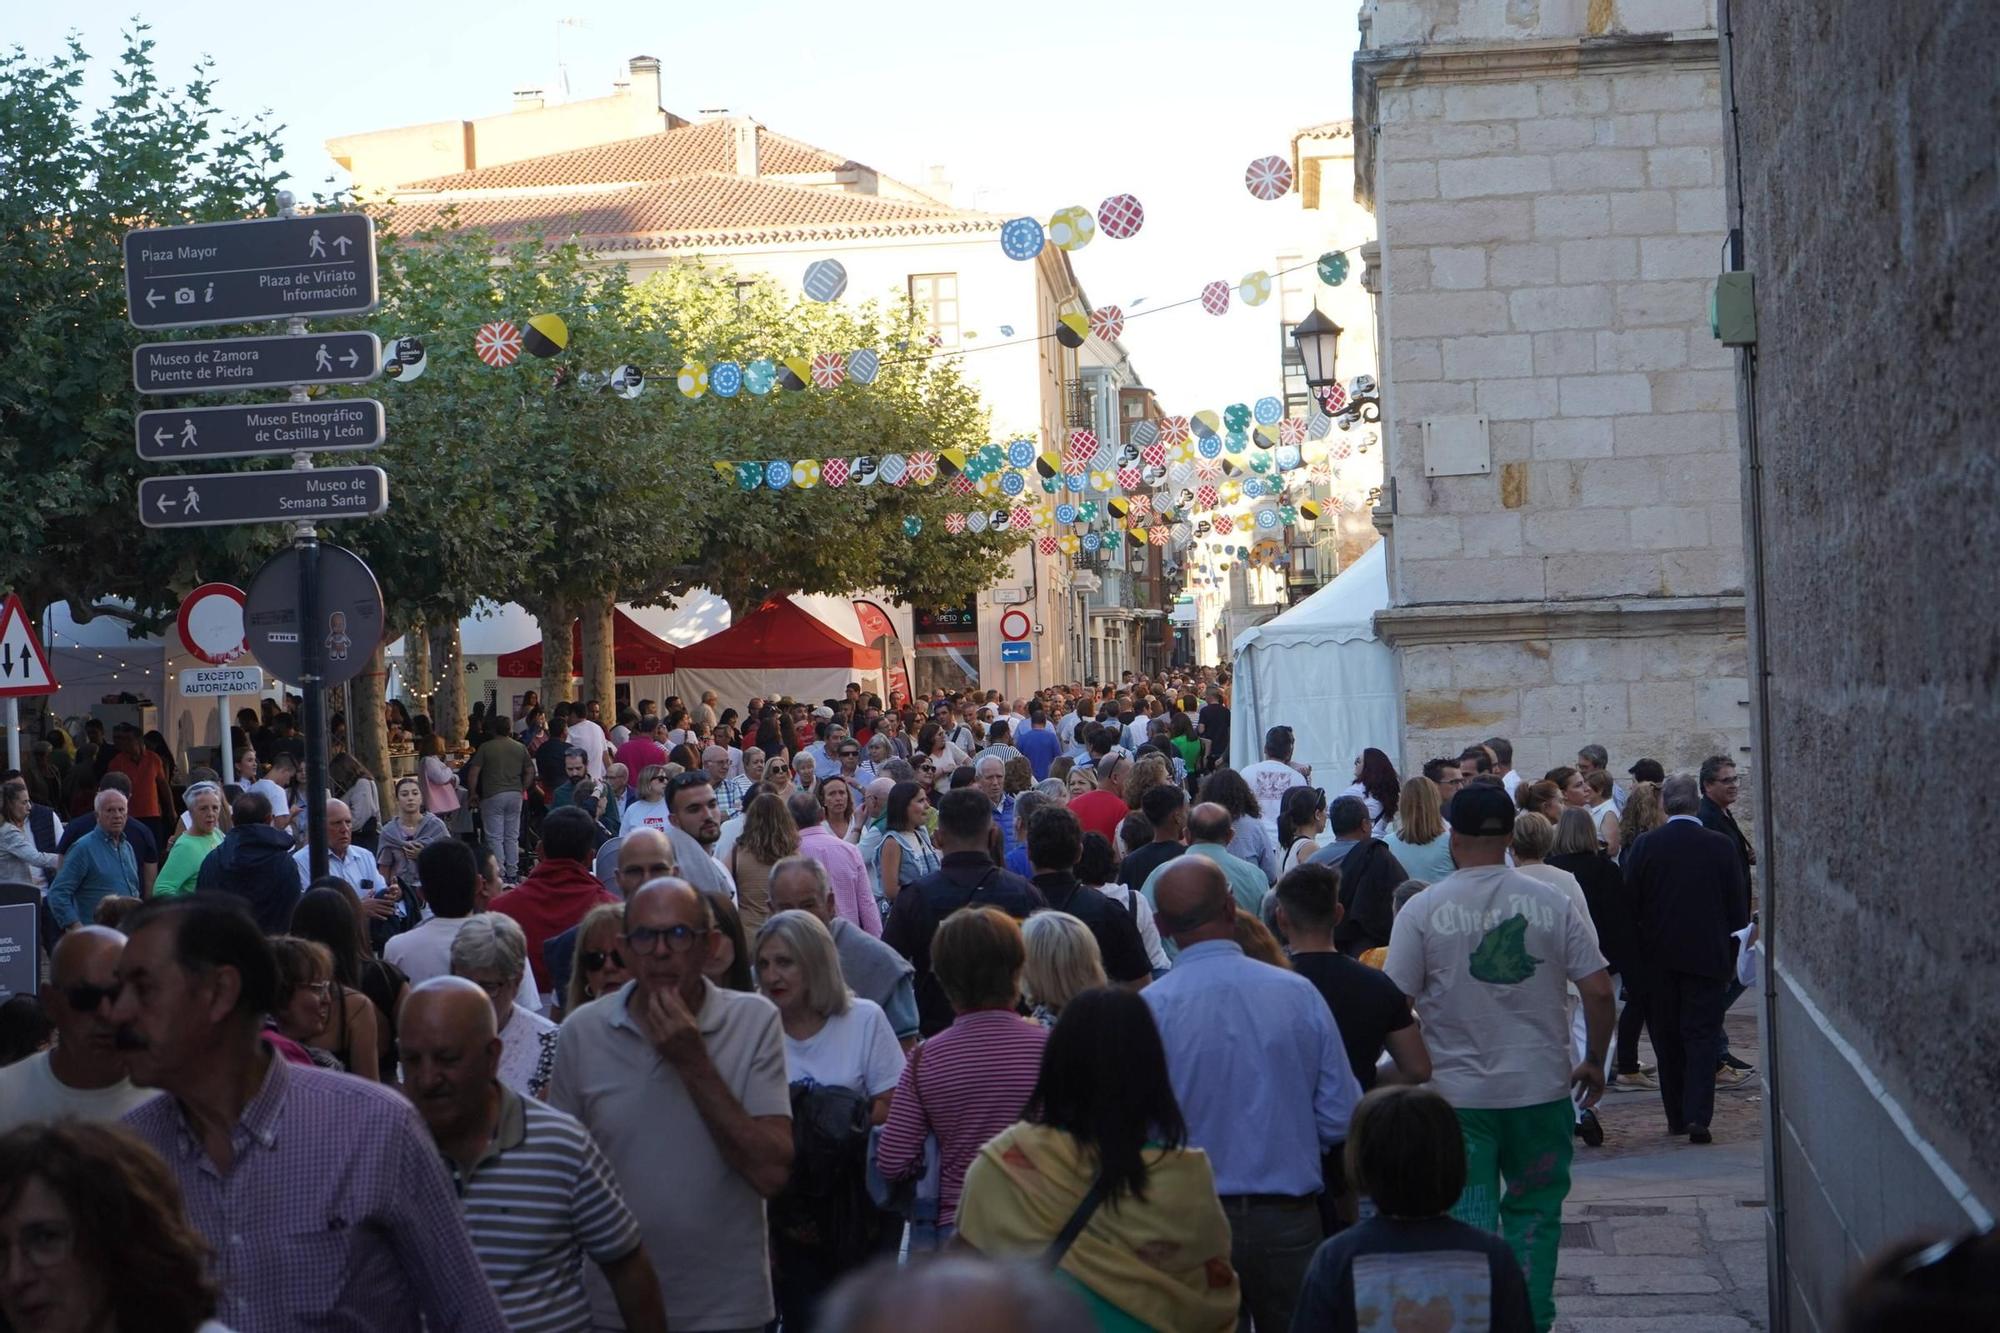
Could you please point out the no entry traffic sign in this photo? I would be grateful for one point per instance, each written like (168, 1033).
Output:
(1015, 624)
(211, 623)
(237, 272)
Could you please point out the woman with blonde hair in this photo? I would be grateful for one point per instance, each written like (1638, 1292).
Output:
(1418, 838)
(1063, 962)
(769, 836)
(1643, 814)
(598, 967)
(1148, 771)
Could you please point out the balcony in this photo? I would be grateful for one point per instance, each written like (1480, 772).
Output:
(1078, 404)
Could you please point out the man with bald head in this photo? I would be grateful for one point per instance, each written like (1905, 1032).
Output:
(82, 1076)
(964, 1294)
(501, 1149)
(644, 855)
(872, 969)
(1249, 1044)
(683, 1085)
(1209, 832)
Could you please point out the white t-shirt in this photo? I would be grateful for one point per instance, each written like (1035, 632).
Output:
(1378, 824)
(1142, 913)
(424, 951)
(1269, 780)
(522, 1043)
(1488, 954)
(589, 738)
(642, 814)
(857, 1049)
(281, 806)
(29, 1090)
(1511, 781)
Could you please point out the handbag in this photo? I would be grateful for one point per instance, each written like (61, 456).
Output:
(916, 1197)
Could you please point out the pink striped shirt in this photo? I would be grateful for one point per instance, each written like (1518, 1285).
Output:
(971, 1081)
(846, 873)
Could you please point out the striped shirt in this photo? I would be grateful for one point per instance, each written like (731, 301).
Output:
(968, 1083)
(334, 1210)
(542, 1198)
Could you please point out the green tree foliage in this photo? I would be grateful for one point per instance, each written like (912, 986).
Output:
(71, 184)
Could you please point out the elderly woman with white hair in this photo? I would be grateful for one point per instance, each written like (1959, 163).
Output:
(1063, 963)
(491, 952)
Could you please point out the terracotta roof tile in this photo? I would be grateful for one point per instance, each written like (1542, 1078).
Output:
(709, 146)
(706, 209)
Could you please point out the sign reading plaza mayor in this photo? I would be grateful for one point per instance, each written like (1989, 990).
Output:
(240, 272)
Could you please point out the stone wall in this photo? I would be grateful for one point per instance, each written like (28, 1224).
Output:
(1873, 230)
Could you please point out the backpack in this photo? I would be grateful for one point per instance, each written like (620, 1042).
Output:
(825, 1205)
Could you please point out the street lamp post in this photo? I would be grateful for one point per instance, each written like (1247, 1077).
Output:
(1317, 337)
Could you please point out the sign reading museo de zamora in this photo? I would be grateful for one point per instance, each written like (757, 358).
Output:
(242, 272)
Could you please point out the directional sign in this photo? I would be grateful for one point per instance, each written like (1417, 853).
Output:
(329, 425)
(236, 272)
(214, 682)
(1017, 650)
(349, 625)
(315, 495)
(24, 667)
(218, 365)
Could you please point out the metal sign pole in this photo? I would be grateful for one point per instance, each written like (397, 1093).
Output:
(13, 733)
(228, 748)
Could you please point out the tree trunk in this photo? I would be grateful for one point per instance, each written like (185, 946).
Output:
(600, 666)
(448, 707)
(418, 681)
(558, 660)
(367, 728)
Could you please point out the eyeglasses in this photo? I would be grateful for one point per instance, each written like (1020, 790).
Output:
(679, 939)
(86, 999)
(492, 987)
(595, 960)
(657, 870)
(1728, 782)
(43, 1245)
(323, 989)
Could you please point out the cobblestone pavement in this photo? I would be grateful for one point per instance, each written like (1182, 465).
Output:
(1661, 1236)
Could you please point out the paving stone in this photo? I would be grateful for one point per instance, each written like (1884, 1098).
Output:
(1690, 1323)
(1664, 1284)
(1656, 1239)
(1599, 1265)
(1644, 1305)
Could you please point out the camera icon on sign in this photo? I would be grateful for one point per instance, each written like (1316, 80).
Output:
(183, 296)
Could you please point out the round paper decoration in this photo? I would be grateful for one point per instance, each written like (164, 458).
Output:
(1333, 268)
(1087, 512)
(1206, 497)
(628, 381)
(1102, 480)
(1071, 228)
(1157, 536)
(961, 485)
(862, 363)
(1267, 518)
(921, 467)
(1144, 433)
(1292, 430)
(1048, 464)
(1068, 543)
(1142, 505)
(1072, 480)
(1268, 178)
(1342, 451)
(1288, 514)
(1107, 322)
(1264, 436)
(954, 522)
(1183, 534)
(893, 469)
(1021, 518)
(693, 380)
(825, 280)
(1118, 508)
(749, 475)
(829, 369)
(777, 475)
(805, 473)
(992, 457)
(912, 525)
(1215, 298)
(545, 335)
(1091, 541)
(1180, 473)
(1082, 445)
(1011, 483)
(1128, 478)
(1021, 238)
(1318, 424)
(1206, 423)
(1269, 411)
(1072, 328)
(1121, 216)
(760, 375)
(1331, 399)
(1208, 470)
(1046, 544)
(863, 471)
(1253, 488)
(794, 372)
(1112, 540)
(1020, 453)
(497, 344)
(1065, 513)
(1308, 510)
(725, 378)
(404, 359)
(1236, 416)
(976, 520)
(1174, 430)
(1210, 446)
(1154, 455)
(1223, 523)
(834, 472)
(1255, 289)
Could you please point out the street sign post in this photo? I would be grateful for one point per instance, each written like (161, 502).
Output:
(24, 669)
(307, 495)
(210, 682)
(210, 621)
(224, 365)
(190, 434)
(241, 272)
(1017, 650)
(343, 623)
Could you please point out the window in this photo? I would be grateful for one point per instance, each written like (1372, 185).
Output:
(934, 299)
(744, 287)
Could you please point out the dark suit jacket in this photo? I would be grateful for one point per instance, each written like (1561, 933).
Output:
(1691, 893)
(1715, 817)
(1369, 874)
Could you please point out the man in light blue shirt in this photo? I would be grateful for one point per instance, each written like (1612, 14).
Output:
(1209, 830)
(99, 865)
(1262, 1077)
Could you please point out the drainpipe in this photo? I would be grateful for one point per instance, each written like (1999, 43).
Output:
(1778, 1266)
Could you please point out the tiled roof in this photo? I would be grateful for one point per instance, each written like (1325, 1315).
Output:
(707, 209)
(708, 146)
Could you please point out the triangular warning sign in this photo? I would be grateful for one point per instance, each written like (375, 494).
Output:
(24, 667)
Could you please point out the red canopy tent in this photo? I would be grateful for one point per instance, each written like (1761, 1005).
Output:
(780, 648)
(636, 650)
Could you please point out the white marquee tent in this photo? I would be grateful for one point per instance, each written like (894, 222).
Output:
(1320, 669)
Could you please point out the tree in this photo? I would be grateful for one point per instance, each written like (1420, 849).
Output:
(75, 183)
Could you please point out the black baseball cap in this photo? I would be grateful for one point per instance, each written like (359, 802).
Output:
(1648, 770)
(1482, 812)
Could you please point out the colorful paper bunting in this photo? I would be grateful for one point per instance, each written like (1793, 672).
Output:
(1071, 228)
(1021, 238)
(1268, 178)
(498, 344)
(1120, 216)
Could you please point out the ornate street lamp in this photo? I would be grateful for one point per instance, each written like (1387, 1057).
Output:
(1316, 337)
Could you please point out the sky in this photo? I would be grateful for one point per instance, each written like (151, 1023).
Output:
(1028, 110)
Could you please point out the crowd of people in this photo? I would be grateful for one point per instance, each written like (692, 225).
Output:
(711, 1018)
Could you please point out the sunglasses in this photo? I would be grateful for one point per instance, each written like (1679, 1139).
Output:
(86, 999)
(595, 960)
(678, 939)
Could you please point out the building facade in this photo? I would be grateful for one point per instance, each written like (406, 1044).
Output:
(1561, 494)
(1871, 228)
(641, 186)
